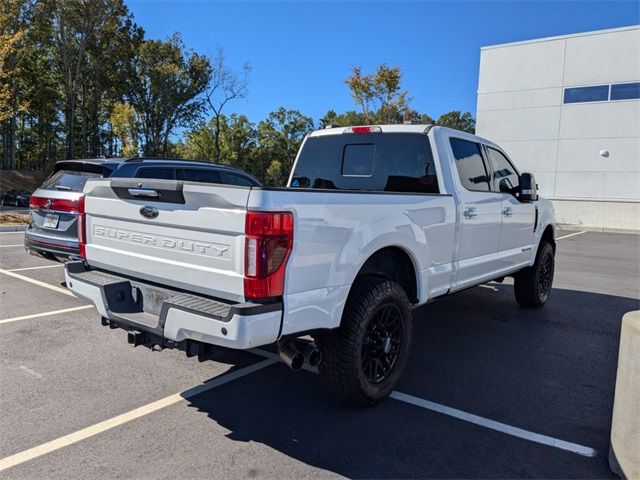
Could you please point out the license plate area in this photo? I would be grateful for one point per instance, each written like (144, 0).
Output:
(51, 220)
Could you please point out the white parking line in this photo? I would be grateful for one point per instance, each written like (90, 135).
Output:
(45, 314)
(471, 418)
(58, 265)
(37, 282)
(31, 372)
(16, 245)
(570, 235)
(75, 437)
(493, 425)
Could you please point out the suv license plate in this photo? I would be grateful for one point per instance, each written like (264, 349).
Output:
(51, 221)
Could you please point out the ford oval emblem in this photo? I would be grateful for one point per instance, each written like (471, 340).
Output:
(149, 212)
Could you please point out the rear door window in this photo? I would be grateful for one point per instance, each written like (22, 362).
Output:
(234, 179)
(68, 180)
(379, 162)
(471, 168)
(162, 173)
(198, 175)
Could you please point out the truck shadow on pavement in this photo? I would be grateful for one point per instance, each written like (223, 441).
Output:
(551, 371)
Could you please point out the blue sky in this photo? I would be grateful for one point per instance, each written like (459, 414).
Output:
(302, 51)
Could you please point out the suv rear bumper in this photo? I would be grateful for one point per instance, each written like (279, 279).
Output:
(172, 319)
(41, 244)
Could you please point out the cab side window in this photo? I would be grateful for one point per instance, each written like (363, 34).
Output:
(471, 168)
(505, 177)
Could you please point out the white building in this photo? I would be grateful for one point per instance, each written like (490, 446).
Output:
(568, 109)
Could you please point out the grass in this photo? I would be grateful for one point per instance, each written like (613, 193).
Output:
(11, 218)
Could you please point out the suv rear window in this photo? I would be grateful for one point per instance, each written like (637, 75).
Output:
(379, 162)
(68, 180)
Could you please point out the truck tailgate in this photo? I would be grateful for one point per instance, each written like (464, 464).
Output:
(185, 235)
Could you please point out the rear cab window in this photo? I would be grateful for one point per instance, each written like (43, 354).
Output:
(376, 162)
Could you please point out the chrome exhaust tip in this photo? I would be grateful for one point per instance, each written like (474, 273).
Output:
(312, 355)
(291, 356)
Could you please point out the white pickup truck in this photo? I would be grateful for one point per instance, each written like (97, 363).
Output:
(374, 220)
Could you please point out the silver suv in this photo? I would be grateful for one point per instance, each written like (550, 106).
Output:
(54, 206)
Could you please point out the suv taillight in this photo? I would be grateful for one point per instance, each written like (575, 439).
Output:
(82, 228)
(268, 244)
(56, 204)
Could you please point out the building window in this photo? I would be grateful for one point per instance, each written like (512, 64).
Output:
(599, 93)
(625, 91)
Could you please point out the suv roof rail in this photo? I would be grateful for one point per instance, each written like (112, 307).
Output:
(167, 159)
(185, 161)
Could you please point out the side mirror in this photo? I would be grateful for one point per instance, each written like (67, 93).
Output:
(528, 188)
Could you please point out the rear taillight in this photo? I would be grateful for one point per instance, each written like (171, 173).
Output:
(268, 244)
(82, 228)
(57, 204)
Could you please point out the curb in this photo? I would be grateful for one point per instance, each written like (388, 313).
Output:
(625, 423)
(575, 228)
(614, 466)
(13, 228)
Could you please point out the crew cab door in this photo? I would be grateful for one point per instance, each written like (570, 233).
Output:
(518, 219)
(480, 217)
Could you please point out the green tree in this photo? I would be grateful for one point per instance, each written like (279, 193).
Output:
(166, 90)
(458, 120)
(236, 139)
(72, 71)
(74, 25)
(224, 87)
(350, 117)
(239, 140)
(110, 54)
(15, 17)
(415, 116)
(279, 138)
(40, 125)
(123, 121)
(379, 94)
(198, 143)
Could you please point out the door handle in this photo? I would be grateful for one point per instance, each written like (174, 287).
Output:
(470, 212)
(507, 211)
(143, 192)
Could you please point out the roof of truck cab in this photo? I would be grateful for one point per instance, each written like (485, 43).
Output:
(413, 128)
(402, 128)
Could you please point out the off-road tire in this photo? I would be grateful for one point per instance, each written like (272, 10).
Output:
(342, 367)
(532, 285)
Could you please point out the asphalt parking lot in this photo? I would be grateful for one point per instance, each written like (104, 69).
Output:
(491, 390)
